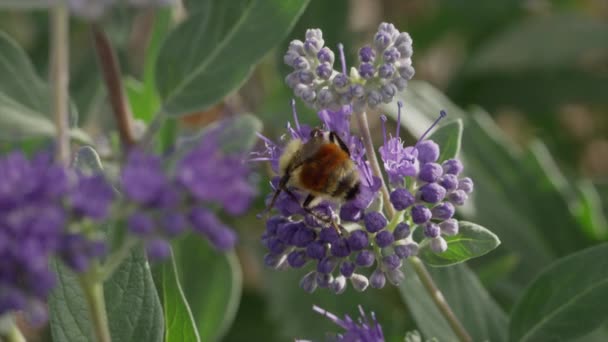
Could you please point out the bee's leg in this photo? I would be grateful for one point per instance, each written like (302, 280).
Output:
(306, 207)
(308, 200)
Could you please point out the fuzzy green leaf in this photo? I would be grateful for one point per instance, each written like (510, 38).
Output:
(224, 40)
(566, 300)
(471, 241)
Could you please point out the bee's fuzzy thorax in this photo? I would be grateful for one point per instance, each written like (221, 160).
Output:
(288, 154)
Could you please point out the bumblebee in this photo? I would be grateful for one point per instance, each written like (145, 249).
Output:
(321, 167)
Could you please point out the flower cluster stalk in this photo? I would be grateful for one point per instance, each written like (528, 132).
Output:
(92, 285)
(92, 288)
(366, 136)
(416, 263)
(59, 79)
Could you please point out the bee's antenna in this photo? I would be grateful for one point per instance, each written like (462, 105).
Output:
(266, 211)
(277, 192)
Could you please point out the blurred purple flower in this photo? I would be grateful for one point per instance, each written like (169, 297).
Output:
(33, 228)
(210, 175)
(91, 197)
(363, 330)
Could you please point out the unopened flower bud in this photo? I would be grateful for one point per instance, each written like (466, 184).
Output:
(449, 227)
(466, 185)
(325, 55)
(430, 172)
(438, 245)
(338, 286)
(377, 280)
(359, 282)
(431, 230)
(395, 276)
(401, 198)
(367, 54)
(432, 193)
(309, 282)
(421, 214)
(443, 211)
(374, 221)
(458, 197)
(366, 70)
(365, 258)
(402, 231)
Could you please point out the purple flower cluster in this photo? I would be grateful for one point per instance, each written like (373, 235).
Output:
(424, 191)
(166, 204)
(48, 211)
(37, 201)
(363, 330)
(385, 67)
(371, 250)
(295, 237)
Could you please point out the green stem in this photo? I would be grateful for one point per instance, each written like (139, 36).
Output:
(439, 300)
(14, 335)
(417, 264)
(373, 160)
(9, 331)
(60, 78)
(93, 293)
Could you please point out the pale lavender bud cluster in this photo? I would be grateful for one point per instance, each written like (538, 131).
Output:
(313, 65)
(385, 67)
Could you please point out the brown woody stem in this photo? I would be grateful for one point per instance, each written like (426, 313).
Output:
(110, 69)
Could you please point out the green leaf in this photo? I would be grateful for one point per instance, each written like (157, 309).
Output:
(179, 321)
(564, 39)
(132, 304)
(471, 241)
(143, 96)
(224, 40)
(477, 311)
(497, 270)
(25, 99)
(566, 300)
(211, 282)
(448, 138)
(602, 190)
(589, 211)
